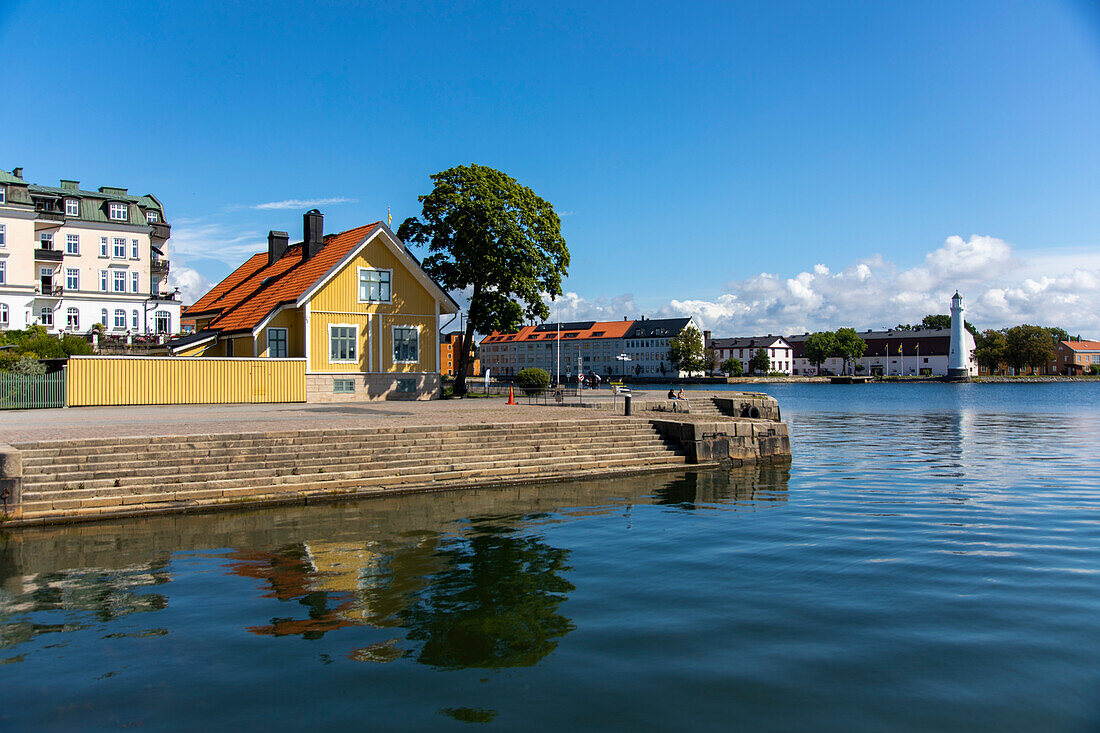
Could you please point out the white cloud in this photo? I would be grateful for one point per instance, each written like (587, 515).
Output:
(1001, 288)
(191, 283)
(303, 203)
(193, 238)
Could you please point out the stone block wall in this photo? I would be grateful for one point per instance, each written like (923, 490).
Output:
(371, 387)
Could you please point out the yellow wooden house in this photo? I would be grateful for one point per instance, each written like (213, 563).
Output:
(356, 306)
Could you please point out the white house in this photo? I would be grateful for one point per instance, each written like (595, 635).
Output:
(743, 348)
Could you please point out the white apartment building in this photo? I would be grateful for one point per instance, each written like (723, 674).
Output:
(71, 258)
(780, 353)
(587, 347)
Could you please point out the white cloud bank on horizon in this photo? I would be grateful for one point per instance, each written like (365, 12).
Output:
(1000, 287)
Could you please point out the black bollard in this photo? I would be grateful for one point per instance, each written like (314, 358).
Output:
(626, 405)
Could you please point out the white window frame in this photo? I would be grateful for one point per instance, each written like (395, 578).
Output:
(355, 344)
(166, 316)
(3, 233)
(135, 281)
(5, 318)
(393, 343)
(72, 244)
(104, 248)
(3, 194)
(118, 248)
(286, 343)
(104, 317)
(116, 211)
(72, 278)
(118, 281)
(45, 315)
(119, 316)
(151, 217)
(359, 284)
(72, 207)
(72, 319)
(44, 238)
(104, 282)
(3, 272)
(134, 320)
(135, 249)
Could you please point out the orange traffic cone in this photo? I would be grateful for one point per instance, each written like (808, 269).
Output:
(511, 395)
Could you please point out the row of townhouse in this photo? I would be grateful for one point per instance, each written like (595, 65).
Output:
(607, 348)
(71, 258)
(1075, 358)
(918, 352)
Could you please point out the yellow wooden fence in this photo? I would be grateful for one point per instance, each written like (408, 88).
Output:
(153, 380)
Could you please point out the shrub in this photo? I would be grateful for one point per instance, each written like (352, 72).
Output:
(29, 366)
(532, 380)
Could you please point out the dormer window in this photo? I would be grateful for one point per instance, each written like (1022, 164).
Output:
(72, 207)
(3, 194)
(151, 217)
(116, 212)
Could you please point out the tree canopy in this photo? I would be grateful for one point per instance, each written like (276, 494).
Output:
(760, 363)
(685, 351)
(989, 349)
(491, 236)
(819, 347)
(732, 366)
(849, 346)
(1028, 345)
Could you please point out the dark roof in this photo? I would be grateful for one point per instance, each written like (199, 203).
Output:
(892, 333)
(191, 338)
(650, 328)
(747, 342)
(574, 326)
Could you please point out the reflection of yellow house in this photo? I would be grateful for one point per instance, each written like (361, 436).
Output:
(356, 306)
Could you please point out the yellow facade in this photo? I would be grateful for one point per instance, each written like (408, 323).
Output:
(125, 380)
(292, 320)
(337, 304)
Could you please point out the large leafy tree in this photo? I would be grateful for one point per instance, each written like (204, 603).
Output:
(819, 347)
(989, 349)
(943, 320)
(1028, 346)
(760, 363)
(685, 351)
(732, 366)
(490, 235)
(849, 346)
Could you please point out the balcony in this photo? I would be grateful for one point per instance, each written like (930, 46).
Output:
(160, 230)
(159, 267)
(168, 297)
(48, 255)
(50, 215)
(48, 291)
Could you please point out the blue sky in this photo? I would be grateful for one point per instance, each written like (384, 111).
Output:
(770, 167)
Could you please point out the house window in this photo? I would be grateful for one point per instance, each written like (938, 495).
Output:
(134, 276)
(116, 212)
(72, 279)
(72, 207)
(45, 240)
(276, 343)
(103, 287)
(120, 248)
(72, 319)
(341, 343)
(45, 316)
(343, 386)
(151, 217)
(103, 317)
(3, 194)
(3, 237)
(406, 346)
(3, 311)
(120, 319)
(3, 272)
(374, 285)
(103, 246)
(134, 249)
(134, 320)
(119, 281)
(72, 244)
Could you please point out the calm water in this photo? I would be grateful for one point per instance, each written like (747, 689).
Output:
(929, 562)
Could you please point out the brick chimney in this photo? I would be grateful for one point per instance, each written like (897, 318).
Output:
(276, 245)
(313, 224)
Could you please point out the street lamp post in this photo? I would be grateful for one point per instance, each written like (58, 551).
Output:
(624, 359)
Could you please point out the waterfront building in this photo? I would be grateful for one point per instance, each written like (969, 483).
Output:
(587, 347)
(780, 353)
(448, 356)
(893, 352)
(71, 258)
(356, 306)
(1074, 358)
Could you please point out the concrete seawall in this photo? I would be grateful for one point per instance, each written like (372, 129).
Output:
(55, 481)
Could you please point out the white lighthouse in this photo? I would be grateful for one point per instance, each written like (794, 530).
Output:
(958, 358)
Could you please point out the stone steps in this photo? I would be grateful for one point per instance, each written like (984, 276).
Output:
(54, 470)
(100, 477)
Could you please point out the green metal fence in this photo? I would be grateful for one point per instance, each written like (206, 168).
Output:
(26, 392)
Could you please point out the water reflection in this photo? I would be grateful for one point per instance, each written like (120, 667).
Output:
(463, 580)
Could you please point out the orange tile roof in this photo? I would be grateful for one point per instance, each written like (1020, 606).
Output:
(255, 289)
(606, 329)
(1083, 345)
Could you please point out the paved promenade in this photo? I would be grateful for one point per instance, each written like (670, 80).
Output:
(17, 426)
